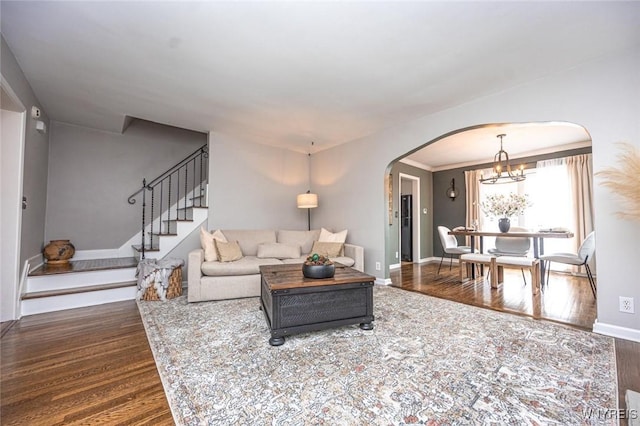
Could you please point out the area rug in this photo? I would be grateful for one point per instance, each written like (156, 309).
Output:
(427, 361)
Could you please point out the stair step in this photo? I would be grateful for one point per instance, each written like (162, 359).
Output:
(138, 248)
(85, 266)
(86, 289)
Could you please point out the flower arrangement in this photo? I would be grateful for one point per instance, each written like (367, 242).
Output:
(500, 205)
(316, 259)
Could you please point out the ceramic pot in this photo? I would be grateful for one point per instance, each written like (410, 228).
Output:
(58, 252)
(318, 271)
(504, 224)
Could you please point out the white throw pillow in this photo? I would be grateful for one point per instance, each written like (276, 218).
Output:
(208, 245)
(332, 237)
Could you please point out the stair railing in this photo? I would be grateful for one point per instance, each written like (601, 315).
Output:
(169, 194)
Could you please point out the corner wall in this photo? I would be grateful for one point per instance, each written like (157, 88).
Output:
(36, 152)
(93, 172)
(253, 186)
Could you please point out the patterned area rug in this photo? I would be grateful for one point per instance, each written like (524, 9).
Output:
(427, 361)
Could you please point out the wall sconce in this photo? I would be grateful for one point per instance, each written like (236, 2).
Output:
(452, 192)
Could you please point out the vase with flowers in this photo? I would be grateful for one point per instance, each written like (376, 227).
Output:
(504, 207)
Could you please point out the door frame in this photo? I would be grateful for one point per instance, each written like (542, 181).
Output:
(417, 202)
(12, 189)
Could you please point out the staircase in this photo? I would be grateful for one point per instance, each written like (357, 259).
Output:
(173, 205)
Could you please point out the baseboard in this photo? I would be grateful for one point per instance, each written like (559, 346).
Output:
(97, 254)
(429, 260)
(394, 266)
(383, 281)
(35, 262)
(616, 331)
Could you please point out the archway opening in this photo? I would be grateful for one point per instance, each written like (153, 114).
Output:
(444, 160)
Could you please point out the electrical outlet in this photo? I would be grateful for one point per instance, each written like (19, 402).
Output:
(396, 255)
(378, 267)
(626, 305)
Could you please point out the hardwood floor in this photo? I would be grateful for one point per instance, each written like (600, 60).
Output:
(94, 365)
(566, 299)
(81, 366)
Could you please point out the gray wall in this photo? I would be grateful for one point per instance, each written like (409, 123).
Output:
(36, 151)
(254, 186)
(426, 221)
(93, 172)
(453, 213)
(601, 95)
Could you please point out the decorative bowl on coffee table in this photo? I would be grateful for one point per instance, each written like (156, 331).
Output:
(318, 271)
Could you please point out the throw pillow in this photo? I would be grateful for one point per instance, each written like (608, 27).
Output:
(207, 242)
(278, 251)
(228, 252)
(331, 237)
(328, 249)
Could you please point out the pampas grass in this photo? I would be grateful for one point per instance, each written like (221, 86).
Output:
(625, 180)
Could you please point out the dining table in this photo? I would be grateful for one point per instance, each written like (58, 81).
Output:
(537, 237)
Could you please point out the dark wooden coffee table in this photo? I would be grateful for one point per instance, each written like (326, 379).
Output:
(294, 304)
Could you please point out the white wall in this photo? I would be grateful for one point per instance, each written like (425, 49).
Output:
(254, 186)
(603, 96)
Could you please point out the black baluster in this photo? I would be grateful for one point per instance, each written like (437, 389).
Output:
(186, 179)
(169, 202)
(144, 190)
(160, 204)
(153, 192)
(193, 187)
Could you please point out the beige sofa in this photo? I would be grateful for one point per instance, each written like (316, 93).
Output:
(216, 280)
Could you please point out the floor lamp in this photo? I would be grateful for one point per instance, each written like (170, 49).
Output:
(308, 201)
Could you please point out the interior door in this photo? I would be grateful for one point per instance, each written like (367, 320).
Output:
(406, 227)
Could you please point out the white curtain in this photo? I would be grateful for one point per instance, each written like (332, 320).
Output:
(567, 184)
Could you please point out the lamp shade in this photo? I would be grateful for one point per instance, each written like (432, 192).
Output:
(307, 201)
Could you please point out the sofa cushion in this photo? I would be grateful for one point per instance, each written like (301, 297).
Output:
(248, 265)
(327, 249)
(228, 252)
(207, 242)
(304, 239)
(250, 239)
(278, 251)
(332, 237)
(346, 261)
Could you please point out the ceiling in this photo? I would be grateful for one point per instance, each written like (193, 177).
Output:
(288, 73)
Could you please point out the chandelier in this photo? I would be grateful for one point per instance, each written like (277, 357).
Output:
(502, 168)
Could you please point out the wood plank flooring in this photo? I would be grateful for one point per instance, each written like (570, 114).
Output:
(566, 299)
(94, 365)
(81, 366)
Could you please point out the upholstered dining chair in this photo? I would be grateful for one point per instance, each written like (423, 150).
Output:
(584, 255)
(450, 246)
(513, 247)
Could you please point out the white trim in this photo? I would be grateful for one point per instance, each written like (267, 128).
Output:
(35, 262)
(429, 260)
(551, 149)
(415, 214)
(416, 164)
(383, 281)
(616, 331)
(394, 266)
(99, 254)
(13, 191)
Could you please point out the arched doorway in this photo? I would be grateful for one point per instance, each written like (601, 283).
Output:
(445, 160)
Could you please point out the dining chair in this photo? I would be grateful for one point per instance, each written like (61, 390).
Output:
(450, 246)
(513, 247)
(584, 255)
